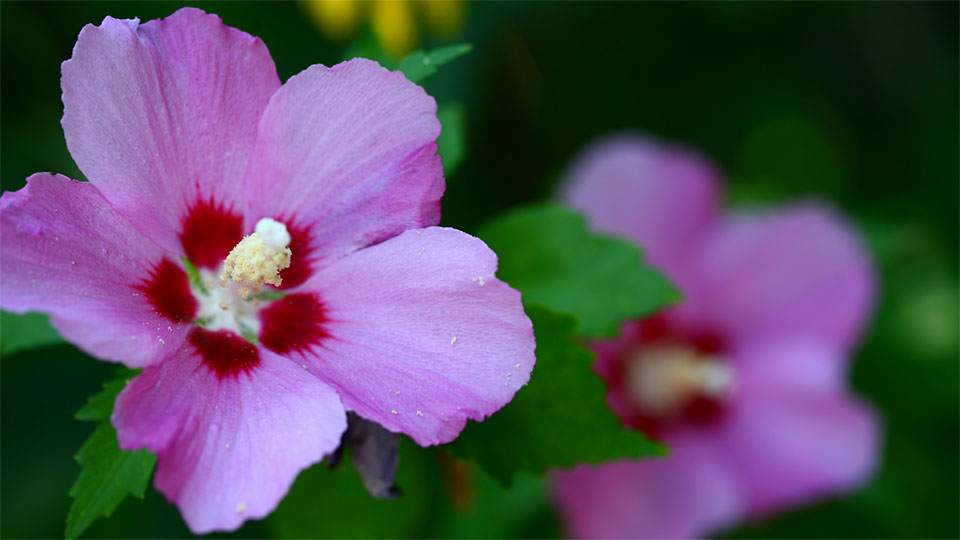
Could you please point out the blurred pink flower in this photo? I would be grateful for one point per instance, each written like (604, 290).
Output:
(745, 378)
(189, 141)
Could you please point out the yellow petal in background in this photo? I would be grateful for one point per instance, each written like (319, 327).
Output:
(444, 17)
(336, 18)
(393, 25)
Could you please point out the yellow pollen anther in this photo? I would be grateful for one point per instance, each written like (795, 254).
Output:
(258, 258)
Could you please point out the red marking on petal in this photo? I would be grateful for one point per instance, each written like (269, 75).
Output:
(654, 329)
(293, 323)
(224, 352)
(301, 262)
(209, 231)
(168, 291)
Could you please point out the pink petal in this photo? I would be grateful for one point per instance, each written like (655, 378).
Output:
(417, 333)
(793, 433)
(347, 153)
(108, 289)
(163, 116)
(795, 272)
(662, 196)
(689, 494)
(228, 447)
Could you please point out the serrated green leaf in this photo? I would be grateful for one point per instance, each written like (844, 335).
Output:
(420, 65)
(547, 253)
(107, 473)
(452, 141)
(27, 331)
(100, 405)
(560, 418)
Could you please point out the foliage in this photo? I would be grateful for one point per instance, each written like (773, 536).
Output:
(108, 473)
(420, 65)
(25, 332)
(559, 419)
(547, 253)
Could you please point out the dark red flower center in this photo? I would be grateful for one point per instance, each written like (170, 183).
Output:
(301, 266)
(224, 352)
(209, 231)
(168, 291)
(293, 323)
(228, 310)
(672, 378)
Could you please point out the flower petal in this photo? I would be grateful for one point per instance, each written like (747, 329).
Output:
(228, 448)
(689, 494)
(162, 117)
(662, 196)
(788, 273)
(347, 153)
(418, 335)
(108, 289)
(793, 432)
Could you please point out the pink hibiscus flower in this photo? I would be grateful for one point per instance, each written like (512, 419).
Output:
(745, 379)
(190, 141)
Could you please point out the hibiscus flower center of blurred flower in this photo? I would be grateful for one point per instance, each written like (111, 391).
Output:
(668, 379)
(663, 378)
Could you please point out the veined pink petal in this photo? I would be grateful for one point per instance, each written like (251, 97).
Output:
(686, 495)
(228, 447)
(418, 335)
(796, 272)
(793, 433)
(347, 155)
(162, 117)
(66, 252)
(662, 196)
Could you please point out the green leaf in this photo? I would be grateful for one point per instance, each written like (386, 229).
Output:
(23, 332)
(559, 419)
(452, 142)
(325, 503)
(100, 405)
(108, 473)
(420, 65)
(194, 276)
(546, 252)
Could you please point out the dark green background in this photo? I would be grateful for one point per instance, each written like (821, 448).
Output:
(853, 102)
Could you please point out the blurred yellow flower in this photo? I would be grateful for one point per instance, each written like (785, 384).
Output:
(393, 25)
(336, 18)
(394, 22)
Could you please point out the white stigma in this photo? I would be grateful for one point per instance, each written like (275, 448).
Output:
(661, 378)
(258, 258)
(273, 232)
